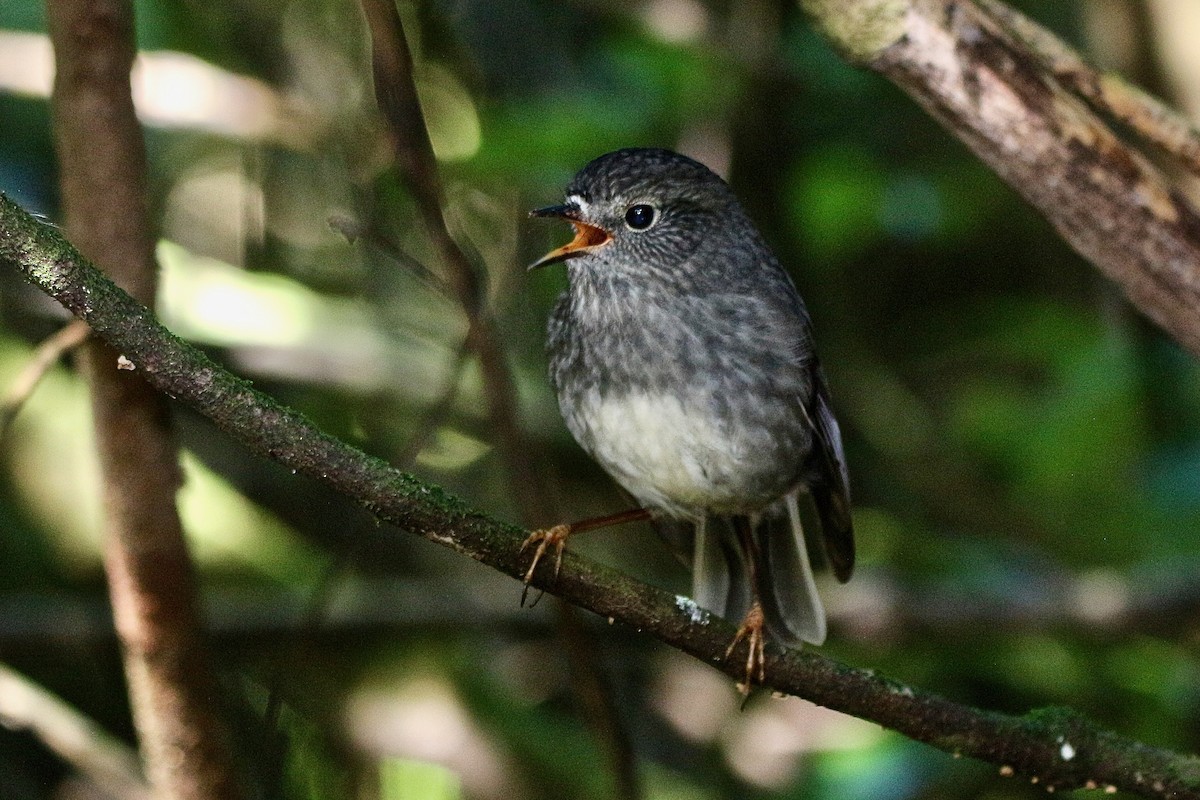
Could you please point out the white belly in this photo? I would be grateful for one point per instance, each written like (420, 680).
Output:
(669, 455)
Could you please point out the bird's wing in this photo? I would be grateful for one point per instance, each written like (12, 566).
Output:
(831, 488)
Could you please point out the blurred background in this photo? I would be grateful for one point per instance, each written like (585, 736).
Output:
(1024, 448)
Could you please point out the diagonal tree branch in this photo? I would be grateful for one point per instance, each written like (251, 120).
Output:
(396, 94)
(1056, 746)
(1106, 92)
(992, 93)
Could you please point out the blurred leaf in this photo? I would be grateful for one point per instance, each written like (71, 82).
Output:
(405, 779)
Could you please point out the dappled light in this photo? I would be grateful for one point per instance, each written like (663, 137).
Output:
(1023, 443)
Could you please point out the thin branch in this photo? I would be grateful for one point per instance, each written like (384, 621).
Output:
(439, 410)
(45, 356)
(374, 606)
(599, 707)
(396, 92)
(79, 741)
(1056, 746)
(1106, 92)
(355, 231)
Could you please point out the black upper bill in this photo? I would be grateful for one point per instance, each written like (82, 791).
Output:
(561, 211)
(588, 237)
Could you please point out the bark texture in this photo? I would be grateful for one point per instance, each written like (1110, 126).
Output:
(993, 93)
(151, 582)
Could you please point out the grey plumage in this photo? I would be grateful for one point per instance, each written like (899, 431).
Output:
(683, 361)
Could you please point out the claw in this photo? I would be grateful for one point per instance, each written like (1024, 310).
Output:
(555, 537)
(545, 538)
(751, 630)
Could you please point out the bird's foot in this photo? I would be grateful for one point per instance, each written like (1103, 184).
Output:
(545, 538)
(752, 630)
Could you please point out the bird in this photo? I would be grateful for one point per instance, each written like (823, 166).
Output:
(683, 361)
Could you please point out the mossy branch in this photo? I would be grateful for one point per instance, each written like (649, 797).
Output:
(1057, 748)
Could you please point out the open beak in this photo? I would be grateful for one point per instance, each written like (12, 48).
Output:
(588, 237)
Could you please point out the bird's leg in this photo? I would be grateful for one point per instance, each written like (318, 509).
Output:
(751, 630)
(753, 625)
(556, 537)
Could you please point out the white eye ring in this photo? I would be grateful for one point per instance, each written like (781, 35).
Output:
(640, 216)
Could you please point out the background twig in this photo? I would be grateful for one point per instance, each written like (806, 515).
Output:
(396, 92)
(74, 738)
(44, 357)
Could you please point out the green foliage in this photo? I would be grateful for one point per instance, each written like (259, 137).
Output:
(1023, 448)
(405, 779)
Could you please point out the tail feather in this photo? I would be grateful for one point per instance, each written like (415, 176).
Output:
(786, 587)
(783, 573)
(719, 582)
(711, 574)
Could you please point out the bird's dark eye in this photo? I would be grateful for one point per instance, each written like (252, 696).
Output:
(640, 217)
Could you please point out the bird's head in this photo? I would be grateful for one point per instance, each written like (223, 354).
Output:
(640, 209)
